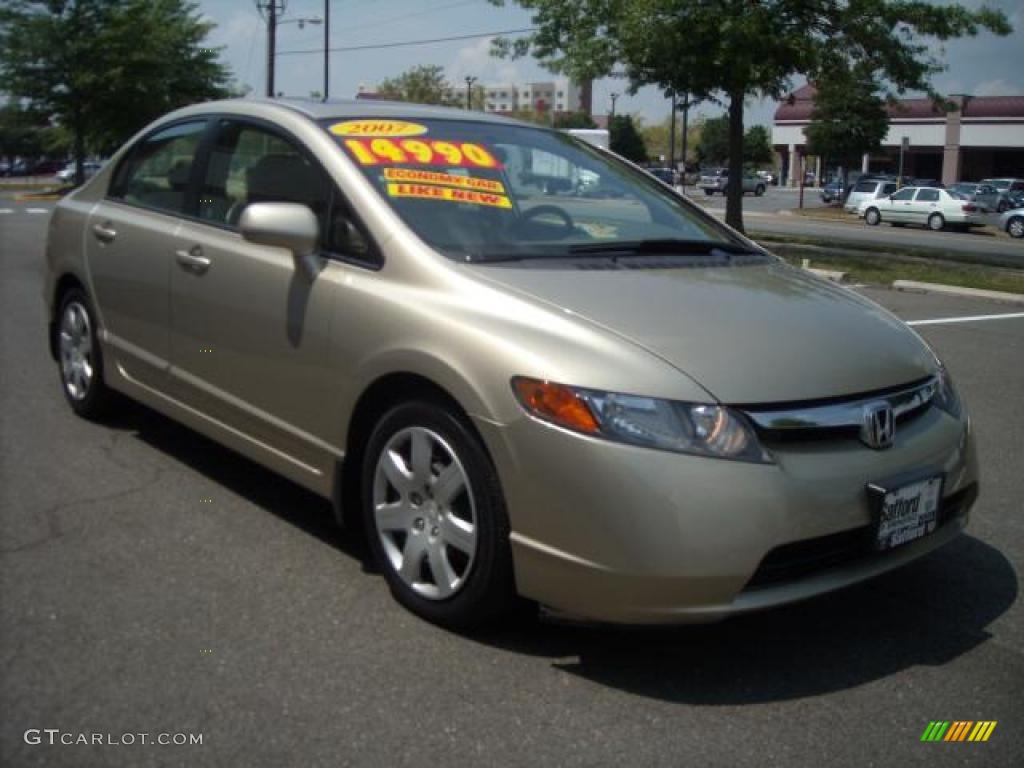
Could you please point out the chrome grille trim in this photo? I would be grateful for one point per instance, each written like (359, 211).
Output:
(848, 414)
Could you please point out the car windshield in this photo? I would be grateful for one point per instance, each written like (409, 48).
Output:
(481, 191)
(999, 184)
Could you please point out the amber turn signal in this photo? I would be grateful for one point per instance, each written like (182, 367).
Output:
(556, 403)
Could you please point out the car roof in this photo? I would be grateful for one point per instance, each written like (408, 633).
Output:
(372, 108)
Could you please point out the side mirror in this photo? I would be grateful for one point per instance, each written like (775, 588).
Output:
(285, 225)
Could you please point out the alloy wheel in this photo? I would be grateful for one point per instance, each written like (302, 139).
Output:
(76, 354)
(1016, 227)
(424, 513)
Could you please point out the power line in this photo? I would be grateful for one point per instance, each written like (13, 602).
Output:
(404, 43)
(403, 17)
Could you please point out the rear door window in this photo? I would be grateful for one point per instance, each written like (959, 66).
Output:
(157, 171)
(928, 196)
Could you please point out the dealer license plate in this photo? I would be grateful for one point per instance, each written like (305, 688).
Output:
(907, 513)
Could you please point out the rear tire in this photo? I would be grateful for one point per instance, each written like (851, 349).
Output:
(1015, 227)
(872, 217)
(435, 517)
(759, 190)
(1002, 206)
(936, 223)
(79, 357)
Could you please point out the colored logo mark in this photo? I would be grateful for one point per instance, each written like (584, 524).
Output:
(958, 730)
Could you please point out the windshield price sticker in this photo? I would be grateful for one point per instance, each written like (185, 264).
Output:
(372, 128)
(445, 179)
(431, 192)
(420, 152)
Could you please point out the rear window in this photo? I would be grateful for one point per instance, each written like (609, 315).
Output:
(865, 186)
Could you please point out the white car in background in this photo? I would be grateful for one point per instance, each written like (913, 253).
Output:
(925, 206)
(67, 173)
(866, 190)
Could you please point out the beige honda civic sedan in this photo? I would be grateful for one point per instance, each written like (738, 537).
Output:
(521, 366)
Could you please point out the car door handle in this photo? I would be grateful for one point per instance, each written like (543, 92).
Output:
(193, 260)
(104, 232)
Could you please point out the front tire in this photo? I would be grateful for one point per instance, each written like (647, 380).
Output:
(435, 516)
(1015, 227)
(80, 358)
(872, 217)
(1002, 206)
(936, 223)
(759, 190)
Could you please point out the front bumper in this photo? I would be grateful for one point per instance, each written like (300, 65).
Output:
(623, 534)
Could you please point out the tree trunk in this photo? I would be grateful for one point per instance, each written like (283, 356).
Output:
(79, 155)
(734, 198)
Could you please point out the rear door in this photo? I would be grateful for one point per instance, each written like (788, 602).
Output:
(129, 247)
(925, 204)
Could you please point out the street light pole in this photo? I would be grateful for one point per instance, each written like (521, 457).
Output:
(685, 106)
(327, 47)
(614, 97)
(469, 91)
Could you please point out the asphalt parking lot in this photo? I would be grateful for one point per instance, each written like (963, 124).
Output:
(154, 582)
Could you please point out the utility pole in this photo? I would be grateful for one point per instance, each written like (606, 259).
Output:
(685, 107)
(672, 135)
(469, 91)
(271, 44)
(327, 47)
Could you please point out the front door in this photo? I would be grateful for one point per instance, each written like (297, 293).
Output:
(130, 240)
(900, 205)
(250, 324)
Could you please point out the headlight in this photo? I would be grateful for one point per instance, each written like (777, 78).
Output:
(696, 428)
(946, 396)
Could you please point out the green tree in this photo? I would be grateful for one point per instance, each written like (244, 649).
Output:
(757, 146)
(848, 117)
(713, 145)
(729, 50)
(102, 69)
(574, 120)
(423, 84)
(22, 132)
(656, 138)
(625, 140)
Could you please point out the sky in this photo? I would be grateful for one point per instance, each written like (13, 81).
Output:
(983, 66)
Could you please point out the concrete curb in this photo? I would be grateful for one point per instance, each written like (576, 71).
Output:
(41, 198)
(955, 290)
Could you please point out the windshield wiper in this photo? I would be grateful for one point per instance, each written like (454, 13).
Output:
(627, 248)
(672, 246)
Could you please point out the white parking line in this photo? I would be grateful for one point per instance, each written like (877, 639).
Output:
(37, 210)
(6, 210)
(969, 319)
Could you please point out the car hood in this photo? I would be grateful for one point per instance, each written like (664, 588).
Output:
(747, 334)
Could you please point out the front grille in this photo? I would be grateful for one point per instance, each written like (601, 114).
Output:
(800, 559)
(839, 417)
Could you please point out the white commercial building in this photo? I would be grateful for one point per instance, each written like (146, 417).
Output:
(983, 137)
